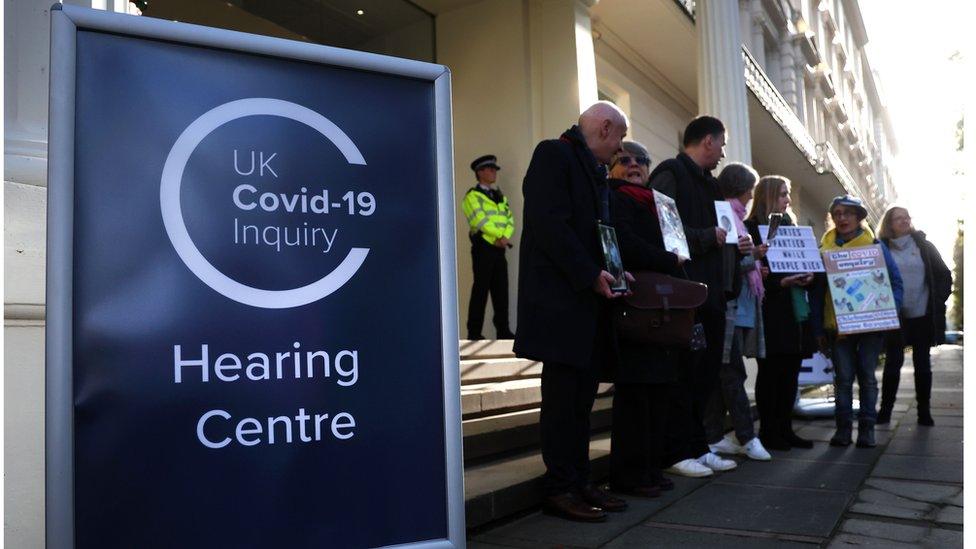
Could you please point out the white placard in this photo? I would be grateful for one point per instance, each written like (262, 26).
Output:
(816, 370)
(793, 250)
(726, 220)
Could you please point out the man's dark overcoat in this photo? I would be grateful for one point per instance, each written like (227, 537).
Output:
(560, 257)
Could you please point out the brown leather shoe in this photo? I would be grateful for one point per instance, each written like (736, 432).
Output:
(646, 491)
(598, 498)
(570, 506)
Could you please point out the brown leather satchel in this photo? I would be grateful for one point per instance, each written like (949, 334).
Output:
(661, 310)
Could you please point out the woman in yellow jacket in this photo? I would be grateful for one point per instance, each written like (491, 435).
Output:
(852, 354)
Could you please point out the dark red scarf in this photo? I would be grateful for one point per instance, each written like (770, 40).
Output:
(642, 195)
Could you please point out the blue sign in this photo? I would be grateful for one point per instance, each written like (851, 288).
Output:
(257, 311)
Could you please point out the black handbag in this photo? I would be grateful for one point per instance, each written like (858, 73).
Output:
(661, 310)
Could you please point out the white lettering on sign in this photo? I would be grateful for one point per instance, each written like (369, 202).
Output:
(215, 427)
(291, 364)
(250, 197)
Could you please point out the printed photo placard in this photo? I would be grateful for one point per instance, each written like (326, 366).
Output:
(671, 226)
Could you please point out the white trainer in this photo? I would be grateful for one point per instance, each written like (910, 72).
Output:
(689, 468)
(754, 450)
(716, 463)
(728, 445)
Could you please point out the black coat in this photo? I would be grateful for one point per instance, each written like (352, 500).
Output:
(938, 278)
(695, 192)
(642, 249)
(784, 335)
(560, 257)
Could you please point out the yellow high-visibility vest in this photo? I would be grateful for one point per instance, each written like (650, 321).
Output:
(492, 219)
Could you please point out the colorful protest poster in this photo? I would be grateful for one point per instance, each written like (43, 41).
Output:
(860, 290)
(792, 250)
(671, 227)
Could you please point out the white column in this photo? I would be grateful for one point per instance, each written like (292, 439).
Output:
(721, 78)
(758, 48)
(26, 62)
(564, 64)
(787, 73)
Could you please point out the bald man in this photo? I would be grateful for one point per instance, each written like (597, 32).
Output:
(564, 299)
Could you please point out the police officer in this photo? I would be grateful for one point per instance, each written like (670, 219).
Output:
(490, 228)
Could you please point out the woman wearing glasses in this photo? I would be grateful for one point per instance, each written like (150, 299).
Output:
(928, 283)
(852, 354)
(641, 377)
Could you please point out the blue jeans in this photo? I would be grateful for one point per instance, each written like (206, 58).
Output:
(856, 355)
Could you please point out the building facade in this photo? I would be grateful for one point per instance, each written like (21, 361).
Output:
(789, 77)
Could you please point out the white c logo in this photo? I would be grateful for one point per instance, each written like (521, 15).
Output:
(169, 202)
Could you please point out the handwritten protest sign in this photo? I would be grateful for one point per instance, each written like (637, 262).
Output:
(792, 250)
(860, 290)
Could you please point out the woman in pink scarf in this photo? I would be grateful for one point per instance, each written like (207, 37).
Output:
(743, 332)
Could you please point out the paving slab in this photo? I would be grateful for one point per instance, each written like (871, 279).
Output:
(651, 536)
(948, 421)
(950, 515)
(824, 452)
(923, 432)
(871, 501)
(913, 468)
(823, 433)
(889, 510)
(884, 530)
(482, 545)
(957, 499)
(918, 491)
(539, 529)
(759, 508)
(845, 541)
(824, 475)
(925, 447)
(946, 412)
(905, 533)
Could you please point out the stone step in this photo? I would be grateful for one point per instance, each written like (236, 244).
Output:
(482, 399)
(517, 431)
(482, 370)
(499, 489)
(486, 348)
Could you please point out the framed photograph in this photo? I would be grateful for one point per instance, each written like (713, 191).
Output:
(611, 258)
(671, 227)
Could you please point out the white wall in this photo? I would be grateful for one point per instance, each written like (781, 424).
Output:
(656, 120)
(520, 72)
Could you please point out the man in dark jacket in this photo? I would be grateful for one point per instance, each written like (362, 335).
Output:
(563, 300)
(688, 179)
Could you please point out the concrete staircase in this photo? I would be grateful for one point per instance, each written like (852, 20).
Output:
(500, 399)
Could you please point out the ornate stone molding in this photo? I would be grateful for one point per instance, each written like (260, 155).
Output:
(777, 106)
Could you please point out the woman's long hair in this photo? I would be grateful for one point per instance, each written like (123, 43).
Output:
(885, 231)
(766, 196)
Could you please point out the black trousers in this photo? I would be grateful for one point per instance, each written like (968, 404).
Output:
(490, 276)
(567, 400)
(776, 384)
(640, 415)
(916, 332)
(690, 392)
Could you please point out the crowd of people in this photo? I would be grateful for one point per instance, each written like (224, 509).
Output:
(672, 402)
